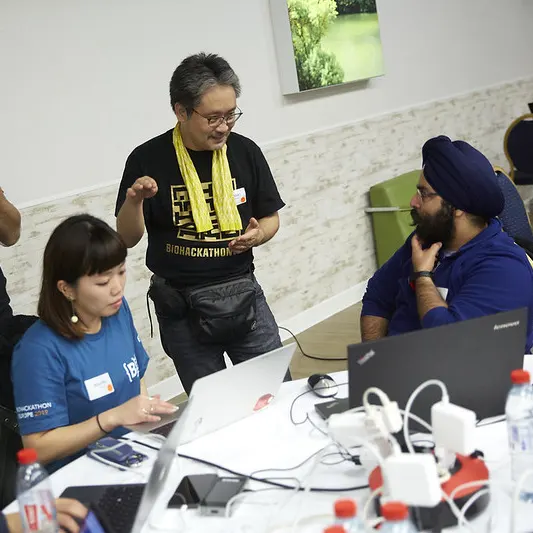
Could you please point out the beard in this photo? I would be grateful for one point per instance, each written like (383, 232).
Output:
(435, 228)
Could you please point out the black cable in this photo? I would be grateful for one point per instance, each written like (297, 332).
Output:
(316, 358)
(303, 394)
(267, 481)
(289, 469)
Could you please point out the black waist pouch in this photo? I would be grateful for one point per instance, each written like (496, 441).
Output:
(224, 311)
(168, 301)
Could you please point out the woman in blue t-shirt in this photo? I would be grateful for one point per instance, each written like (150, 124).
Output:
(78, 372)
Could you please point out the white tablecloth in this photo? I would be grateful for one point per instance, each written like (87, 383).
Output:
(266, 440)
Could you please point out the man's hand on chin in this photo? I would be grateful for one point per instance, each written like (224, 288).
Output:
(423, 260)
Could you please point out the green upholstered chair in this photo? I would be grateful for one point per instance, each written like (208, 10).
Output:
(390, 211)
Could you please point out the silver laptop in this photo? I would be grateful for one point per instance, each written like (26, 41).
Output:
(229, 395)
(153, 492)
(136, 502)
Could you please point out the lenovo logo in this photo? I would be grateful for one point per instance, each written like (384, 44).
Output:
(507, 325)
(366, 357)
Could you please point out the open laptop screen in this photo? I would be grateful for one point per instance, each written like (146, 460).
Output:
(473, 358)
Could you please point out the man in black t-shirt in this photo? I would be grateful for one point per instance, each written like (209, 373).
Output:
(206, 197)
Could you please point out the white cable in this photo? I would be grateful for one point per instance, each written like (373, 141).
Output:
(464, 509)
(516, 496)
(410, 401)
(456, 511)
(307, 488)
(366, 509)
(241, 495)
(417, 419)
(384, 399)
(470, 484)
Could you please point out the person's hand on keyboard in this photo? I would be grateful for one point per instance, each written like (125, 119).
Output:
(135, 411)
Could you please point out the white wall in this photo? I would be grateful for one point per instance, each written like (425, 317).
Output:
(83, 82)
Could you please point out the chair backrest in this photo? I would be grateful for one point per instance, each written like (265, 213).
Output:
(518, 145)
(392, 228)
(10, 441)
(514, 216)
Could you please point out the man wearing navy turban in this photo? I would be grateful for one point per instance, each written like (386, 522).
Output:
(458, 263)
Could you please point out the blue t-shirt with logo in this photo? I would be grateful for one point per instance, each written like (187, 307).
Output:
(60, 382)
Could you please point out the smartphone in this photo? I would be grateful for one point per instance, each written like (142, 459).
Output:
(221, 493)
(192, 490)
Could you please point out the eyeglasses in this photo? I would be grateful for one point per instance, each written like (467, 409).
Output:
(424, 195)
(229, 119)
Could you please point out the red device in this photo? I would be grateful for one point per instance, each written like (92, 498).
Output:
(465, 469)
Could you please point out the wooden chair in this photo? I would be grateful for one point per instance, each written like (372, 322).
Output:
(518, 148)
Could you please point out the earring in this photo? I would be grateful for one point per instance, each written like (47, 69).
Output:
(74, 318)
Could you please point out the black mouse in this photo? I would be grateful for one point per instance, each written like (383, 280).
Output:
(323, 385)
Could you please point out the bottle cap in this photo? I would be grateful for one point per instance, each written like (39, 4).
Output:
(345, 508)
(394, 511)
(335, 529)
(27, 456)
(519, 377)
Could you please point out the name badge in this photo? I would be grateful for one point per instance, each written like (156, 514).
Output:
(443, 291)
(240, 196)
(99, 386)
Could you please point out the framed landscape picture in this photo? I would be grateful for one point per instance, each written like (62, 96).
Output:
(326, 42)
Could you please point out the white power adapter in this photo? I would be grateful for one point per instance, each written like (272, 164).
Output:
(348, 429)
(386, 416)
(354, 429)
(413, 479)
(453, 427)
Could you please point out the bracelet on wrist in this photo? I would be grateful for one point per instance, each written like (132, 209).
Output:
(100, 425)
(421, 274)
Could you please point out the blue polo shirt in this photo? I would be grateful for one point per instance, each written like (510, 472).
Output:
(487, 275)
(60, 382)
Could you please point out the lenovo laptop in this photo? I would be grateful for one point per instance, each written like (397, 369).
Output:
(474, 358)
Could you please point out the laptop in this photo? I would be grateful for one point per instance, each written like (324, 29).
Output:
(474, 358)
(229, 395)
(126, 508)
(244, 389)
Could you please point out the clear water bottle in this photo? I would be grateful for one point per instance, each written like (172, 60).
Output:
(396, 515)
(519, 414)
(346, 516)
(34, 494)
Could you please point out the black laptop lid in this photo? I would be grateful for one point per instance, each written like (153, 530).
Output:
(474, 359)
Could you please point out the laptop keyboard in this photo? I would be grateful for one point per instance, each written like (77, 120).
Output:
(163, 430)
(119, 504)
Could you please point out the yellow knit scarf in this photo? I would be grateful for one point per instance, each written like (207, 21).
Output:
(225, 207)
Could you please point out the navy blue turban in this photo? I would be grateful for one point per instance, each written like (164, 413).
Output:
(462, 176)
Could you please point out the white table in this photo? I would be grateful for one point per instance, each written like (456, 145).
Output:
(268, 439)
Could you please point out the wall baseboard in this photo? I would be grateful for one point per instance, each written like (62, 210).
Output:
(171, 387)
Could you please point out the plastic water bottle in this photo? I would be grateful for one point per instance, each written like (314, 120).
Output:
(346, 516)
(397, 520)
(519, 414)
(34, 494)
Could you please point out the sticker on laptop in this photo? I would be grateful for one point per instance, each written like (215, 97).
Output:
(263, 402)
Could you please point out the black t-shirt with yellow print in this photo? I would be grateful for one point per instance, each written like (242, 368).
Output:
(175, 250)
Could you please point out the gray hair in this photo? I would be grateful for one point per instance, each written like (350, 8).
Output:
(198, 73)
